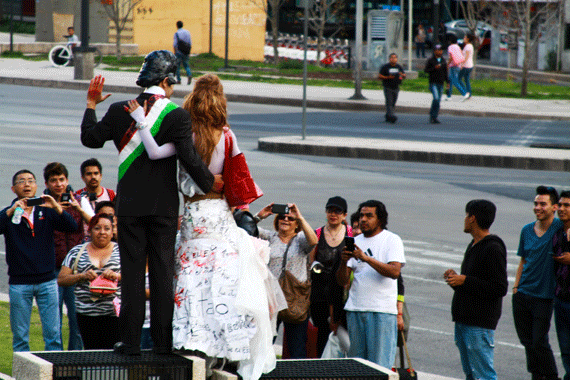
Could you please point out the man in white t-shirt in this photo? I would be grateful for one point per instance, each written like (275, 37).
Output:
(371, 306)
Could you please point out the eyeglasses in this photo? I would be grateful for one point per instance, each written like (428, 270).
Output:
(333, 210)
(24, 181)
(287, 217)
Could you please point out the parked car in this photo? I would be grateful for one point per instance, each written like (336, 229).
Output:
(458, 28)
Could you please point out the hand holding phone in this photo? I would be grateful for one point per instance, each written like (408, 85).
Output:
(35, 201)
(280, 209)
(349, 243)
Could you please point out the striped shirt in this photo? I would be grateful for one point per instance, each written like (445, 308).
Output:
(84, 303)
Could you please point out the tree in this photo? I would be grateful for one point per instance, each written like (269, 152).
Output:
(271, 9)
(119, 12)
(323, 12)
(529, 19)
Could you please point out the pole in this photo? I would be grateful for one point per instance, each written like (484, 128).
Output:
(84, 25)
(12, 26)
(410, 32)
(227, 32)
(358, 61)
(435, 22)
(305, 31)
(211, 18)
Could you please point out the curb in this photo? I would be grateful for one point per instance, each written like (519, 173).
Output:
(504, 157)
(343, 105)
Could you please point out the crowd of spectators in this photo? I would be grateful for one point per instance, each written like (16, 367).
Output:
(69, 239)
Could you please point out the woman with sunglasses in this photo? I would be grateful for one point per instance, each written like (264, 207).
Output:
(294, 234)
(327, 306)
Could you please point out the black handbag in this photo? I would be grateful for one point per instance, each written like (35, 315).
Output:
(405, 373)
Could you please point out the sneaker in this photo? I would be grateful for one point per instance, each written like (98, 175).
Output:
(189, 80)
(447, 98)
(466, 97)
(434, 121)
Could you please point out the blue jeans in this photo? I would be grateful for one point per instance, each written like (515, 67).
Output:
(21, 299)
(476, 345)
(297, 339)
(454, 81)
(437, 91)
(465, 78)
(373, 336)
(182, 59)
(420, 49)
(562, 322)
(146, 339)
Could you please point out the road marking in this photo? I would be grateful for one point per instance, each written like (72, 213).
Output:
(446, 333)
(527, 134)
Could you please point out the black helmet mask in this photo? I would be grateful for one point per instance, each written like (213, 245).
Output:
(157, 65)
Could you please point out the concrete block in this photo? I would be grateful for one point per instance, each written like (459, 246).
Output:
(198, 366)
(223, 375)
(27, 366)
(84, 65)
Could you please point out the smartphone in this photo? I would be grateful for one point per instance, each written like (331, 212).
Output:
(35, 201)
(280, 209)
(92, 197)
(65, 197)
(349, 243)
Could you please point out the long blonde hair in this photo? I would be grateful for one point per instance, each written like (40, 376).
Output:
(207, 107)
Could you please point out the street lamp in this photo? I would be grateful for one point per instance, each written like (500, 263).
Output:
(435, 22)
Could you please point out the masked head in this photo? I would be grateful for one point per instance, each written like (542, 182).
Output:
(157, 65)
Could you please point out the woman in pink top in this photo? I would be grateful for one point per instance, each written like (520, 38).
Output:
(465, 73)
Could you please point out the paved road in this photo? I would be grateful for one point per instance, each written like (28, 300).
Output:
(425, 202)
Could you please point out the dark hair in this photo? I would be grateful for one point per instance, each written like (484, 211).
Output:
(70, 27)
(381, 212)
(391, 54)
(95, 219)
(23, 171)
(565, 194)
(551, 191)
(276, 223)
(484, 212)
(53, 169)
(354, 217)
(179, 24)
(470, 38)
(91, 162)
(100, 205)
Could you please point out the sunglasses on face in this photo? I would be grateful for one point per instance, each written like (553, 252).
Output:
(286, 217)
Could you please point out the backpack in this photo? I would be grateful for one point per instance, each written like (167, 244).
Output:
(183, 46)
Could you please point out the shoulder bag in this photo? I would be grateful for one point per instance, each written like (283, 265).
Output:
(296, 293)
(239, 187)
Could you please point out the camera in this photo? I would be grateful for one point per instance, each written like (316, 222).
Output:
(349, 243)
(280, 209)
(91, 196)
(65, 197)
(35, 201)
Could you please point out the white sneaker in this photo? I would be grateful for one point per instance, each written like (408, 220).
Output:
(466, 97)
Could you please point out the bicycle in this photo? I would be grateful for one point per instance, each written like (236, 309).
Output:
(61, 55)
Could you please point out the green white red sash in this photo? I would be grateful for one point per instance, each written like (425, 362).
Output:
(135, 147)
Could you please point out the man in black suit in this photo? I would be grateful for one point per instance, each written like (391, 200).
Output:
(147, 196)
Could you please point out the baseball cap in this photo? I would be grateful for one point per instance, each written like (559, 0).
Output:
(338, 202)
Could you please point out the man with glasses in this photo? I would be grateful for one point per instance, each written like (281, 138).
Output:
(30, 257)
(533, 290)
(372, 300)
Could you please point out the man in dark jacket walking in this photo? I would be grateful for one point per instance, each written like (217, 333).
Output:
(479, 291)
(436, 68)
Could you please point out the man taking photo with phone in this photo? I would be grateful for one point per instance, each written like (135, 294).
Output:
(371, 307)
(28, 233)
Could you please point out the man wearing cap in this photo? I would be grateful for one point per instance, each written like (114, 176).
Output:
(437, 72)
(147, 195)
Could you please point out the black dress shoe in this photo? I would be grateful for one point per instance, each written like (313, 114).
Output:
(126, 349)
(434, 121)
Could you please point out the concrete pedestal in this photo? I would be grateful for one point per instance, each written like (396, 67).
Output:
(84, 65)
